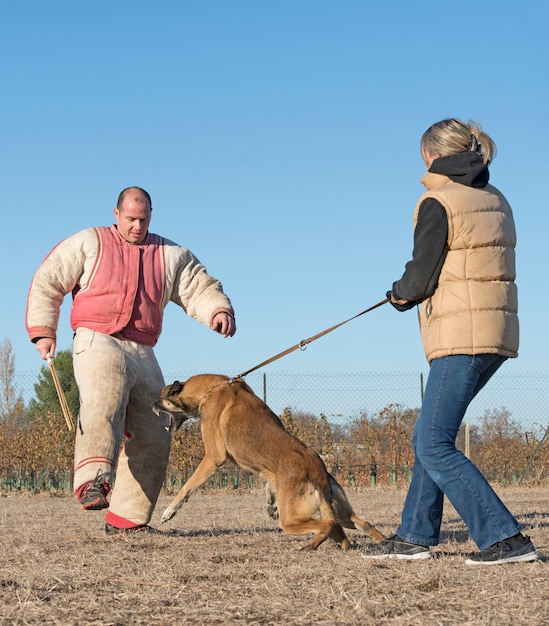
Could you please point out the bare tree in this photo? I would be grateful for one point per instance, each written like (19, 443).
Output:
(12, 406)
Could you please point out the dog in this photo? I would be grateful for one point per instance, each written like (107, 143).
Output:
(239, 428)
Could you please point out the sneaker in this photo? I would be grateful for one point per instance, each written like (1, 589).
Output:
(114, 531)
(93, 494)
(516, 549)
(396, 548)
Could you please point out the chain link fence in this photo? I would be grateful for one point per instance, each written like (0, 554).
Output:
(342, 398)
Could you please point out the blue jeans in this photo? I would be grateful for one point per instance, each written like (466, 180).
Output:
(441, 469)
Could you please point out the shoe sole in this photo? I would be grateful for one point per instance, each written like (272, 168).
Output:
(125, 535)
(95, 506)
(116, 536)
(421, 556)
(521, 558)
(132, 532)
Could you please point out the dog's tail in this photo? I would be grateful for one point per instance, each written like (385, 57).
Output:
(328, 511)
(346, 515)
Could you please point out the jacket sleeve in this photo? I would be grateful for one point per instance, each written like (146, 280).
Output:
(421, 274)
(200, 295)
(57, 276)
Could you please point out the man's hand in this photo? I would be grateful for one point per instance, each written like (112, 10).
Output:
(46, 347)
(224, 324)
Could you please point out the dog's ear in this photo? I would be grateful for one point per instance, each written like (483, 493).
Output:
(175, 388)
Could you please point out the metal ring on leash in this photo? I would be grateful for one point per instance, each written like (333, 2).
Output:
(302, 345)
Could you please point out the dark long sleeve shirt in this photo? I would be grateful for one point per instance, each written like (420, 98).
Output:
(421, 274)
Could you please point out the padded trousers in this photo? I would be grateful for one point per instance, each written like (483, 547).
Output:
(119, 438)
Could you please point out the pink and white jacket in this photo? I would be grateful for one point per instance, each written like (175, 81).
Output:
(119, 287)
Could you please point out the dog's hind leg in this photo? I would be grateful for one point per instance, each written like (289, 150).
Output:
(322, 530)
(295, 520)
(205, 469)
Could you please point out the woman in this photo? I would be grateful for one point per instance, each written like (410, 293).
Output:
(462, 272)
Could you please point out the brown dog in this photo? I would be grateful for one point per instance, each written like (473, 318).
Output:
(240, 428)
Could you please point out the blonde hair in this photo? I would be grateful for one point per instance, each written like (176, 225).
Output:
(452, 136)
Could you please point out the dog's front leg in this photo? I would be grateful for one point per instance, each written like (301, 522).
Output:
(272, 506)
(205, 469)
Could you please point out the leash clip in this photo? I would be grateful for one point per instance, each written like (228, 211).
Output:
(303, 344)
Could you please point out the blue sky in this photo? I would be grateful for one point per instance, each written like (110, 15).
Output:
(280, 143)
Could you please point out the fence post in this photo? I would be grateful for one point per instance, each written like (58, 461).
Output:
(352, 480)
(392, 476)
(408, 474)
(373, 475)
(534, 456)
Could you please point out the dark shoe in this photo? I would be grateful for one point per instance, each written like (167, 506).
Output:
(114, 531)
(516, 549)
(93, 494)
(396, 548)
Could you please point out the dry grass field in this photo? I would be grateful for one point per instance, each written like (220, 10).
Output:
(223, 561)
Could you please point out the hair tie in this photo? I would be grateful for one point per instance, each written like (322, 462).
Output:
(474, 145)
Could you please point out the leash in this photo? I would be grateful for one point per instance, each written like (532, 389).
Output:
(305, 342)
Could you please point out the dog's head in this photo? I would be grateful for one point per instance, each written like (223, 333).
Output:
(182, 401)
(171, 402)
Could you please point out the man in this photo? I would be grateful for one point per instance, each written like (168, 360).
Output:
(121, 279)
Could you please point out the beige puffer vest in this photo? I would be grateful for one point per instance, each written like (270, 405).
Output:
(474, 307)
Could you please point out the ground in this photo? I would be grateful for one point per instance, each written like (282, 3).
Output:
(223, 561)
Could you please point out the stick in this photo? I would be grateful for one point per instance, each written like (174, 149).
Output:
(61, 395)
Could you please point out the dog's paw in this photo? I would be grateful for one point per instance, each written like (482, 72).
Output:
(345, 545)
(272, 511)
(307, 548)
(167, 515)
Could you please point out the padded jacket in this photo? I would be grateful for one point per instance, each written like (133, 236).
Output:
(118, 287)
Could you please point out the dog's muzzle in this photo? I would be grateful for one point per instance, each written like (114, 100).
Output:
(159, 410)
(175, 418)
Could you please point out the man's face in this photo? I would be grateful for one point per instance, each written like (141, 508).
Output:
(133, 217)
